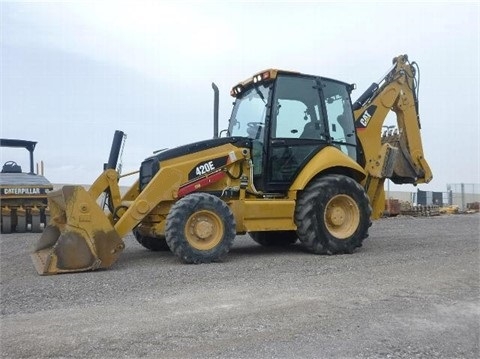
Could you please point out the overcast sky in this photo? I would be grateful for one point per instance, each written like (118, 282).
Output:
(74, 72)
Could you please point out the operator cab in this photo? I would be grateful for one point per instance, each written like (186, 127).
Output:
(289, 117)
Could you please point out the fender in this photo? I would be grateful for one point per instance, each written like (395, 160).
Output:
(329, 157)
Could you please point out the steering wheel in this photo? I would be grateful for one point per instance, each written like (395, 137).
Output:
(10, 164)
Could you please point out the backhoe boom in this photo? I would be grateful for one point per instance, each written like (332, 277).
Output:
(397, 154)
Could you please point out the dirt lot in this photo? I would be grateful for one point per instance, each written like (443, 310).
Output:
(411, 291)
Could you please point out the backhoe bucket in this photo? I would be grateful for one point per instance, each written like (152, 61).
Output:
(79, 237)
(404, 168)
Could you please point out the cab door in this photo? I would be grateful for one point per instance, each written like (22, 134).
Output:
(298, 129)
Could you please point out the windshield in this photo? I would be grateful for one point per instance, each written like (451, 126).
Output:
(249, 112)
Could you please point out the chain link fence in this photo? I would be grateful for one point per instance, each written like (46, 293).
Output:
(463, 194)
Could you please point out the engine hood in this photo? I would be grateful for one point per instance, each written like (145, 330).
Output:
(200, 146)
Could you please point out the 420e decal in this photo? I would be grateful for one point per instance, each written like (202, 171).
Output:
(207, 166)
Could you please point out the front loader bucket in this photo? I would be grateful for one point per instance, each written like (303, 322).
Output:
(79, 237)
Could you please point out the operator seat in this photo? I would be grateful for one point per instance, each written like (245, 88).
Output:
(11, 167)
(256, 131)
(313, 130)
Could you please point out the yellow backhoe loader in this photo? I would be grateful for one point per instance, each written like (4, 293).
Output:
(297, 162)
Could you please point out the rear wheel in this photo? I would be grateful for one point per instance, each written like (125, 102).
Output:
(36, 223)
(274, 238)
(21, 224)
(333, 215)
(7, 223)
(155, 244)
(200, 228)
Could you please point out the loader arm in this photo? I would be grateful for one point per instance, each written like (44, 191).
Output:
(83, 235)
(397, 155)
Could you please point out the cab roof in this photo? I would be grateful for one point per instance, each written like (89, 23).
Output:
(29, 145)
(265, 75)
(270, 75)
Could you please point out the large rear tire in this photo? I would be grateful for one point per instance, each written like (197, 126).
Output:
(274, 238)
(155, 244)
(200, 228)
(21, 224)
(333, 215)
(7, 223)
(36, 223)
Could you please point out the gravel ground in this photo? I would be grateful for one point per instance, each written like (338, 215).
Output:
(412, 291)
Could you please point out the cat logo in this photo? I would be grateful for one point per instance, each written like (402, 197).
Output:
(364, 119)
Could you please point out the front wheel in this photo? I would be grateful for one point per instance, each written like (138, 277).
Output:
(333, 215)
(200, 228)
(155, 244)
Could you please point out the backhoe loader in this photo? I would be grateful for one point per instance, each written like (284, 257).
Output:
(298, 161)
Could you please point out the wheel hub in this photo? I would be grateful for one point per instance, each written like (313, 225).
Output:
(337, 216)
(342, 216)
(203, 228)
